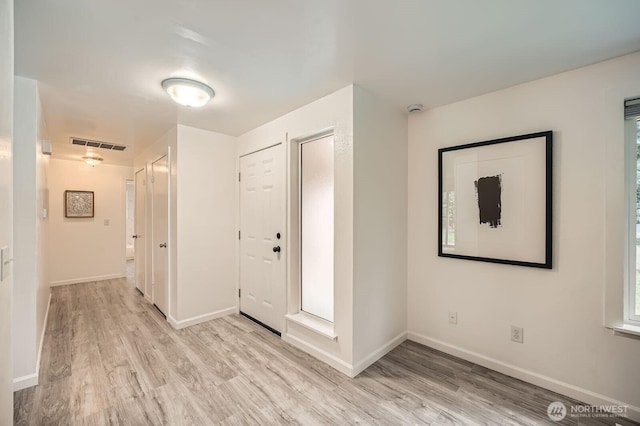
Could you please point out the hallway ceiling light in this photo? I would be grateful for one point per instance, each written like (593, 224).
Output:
(188, 92)
(92, 160)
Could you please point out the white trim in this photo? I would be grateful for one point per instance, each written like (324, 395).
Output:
(44, 329)
(30, 380)
(87, 279)
(630, 184)
(627, 329)
(173, 322)
(379, 353)
(24, 382)
(323, 356)
(327, 131)
(200, 318)
(546, 382)
(322, 327)
(264, 148)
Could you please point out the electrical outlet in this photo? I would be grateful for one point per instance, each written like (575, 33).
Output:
(453, 317)
(517, 334)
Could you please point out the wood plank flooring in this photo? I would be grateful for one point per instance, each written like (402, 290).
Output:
(110, 359)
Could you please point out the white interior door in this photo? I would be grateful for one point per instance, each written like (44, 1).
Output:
(160, 225)
(138, 231)
(262, 218)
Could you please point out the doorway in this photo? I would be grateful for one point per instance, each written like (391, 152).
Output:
(129, 224)
(160, 226)
(140, 255)
(262, 239)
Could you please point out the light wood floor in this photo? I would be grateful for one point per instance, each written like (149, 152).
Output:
(110, 358)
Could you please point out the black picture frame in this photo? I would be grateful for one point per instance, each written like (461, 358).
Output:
(522, 193)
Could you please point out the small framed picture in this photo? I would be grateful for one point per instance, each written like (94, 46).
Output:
(78, 204)
(495, 202)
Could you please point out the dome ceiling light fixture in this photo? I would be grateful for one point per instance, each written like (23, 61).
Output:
(92, 160)
(188, 92)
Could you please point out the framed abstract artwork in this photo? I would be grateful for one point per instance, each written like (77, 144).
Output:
(78, 204)
(495, 200)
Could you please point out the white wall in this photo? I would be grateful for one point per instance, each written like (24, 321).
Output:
(334, 110)
(6, 223)
(206, 229)
(566, 346)
(43, 231)
(31, 277)
(380, 228)
(202, 231)
(87, 249)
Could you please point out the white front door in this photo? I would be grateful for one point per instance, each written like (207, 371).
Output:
(139, 231)
(262, 219)
(160, 225)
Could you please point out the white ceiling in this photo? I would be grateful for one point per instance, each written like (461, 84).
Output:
(100, 63)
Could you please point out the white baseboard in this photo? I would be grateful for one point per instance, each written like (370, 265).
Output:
(379, 353)
(30, 380)
(24, 382)
(44, 329)
(554, 385)
(200, 318)
(323, 356)
(86, 279)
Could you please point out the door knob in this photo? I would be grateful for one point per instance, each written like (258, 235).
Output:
(163, 245)
(276, 249)
(135, 236)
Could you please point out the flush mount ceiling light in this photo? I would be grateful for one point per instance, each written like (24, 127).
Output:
(188, 92)
(92, 160)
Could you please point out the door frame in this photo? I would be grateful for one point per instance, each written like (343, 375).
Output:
(284, 241)
(144, 225)
(150, 240)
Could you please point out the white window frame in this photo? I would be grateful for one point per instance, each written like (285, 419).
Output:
(631, 183)
(300, 146)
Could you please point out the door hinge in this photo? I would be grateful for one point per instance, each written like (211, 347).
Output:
(238, 234)
(239, 177)
(239, 290)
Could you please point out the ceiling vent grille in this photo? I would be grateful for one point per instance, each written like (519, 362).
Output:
(97, 144)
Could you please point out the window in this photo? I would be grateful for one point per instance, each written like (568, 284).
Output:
(632, 136)
(317, 227)
(448, 219)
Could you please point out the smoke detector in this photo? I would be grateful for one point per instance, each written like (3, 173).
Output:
(414, 108)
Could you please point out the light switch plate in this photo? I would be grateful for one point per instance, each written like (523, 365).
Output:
(5, 263)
